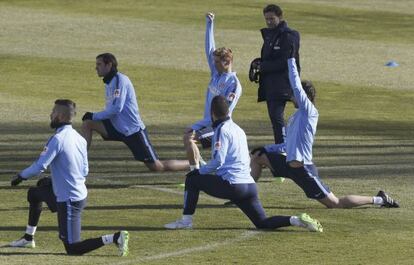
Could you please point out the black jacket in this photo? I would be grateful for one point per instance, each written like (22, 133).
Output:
(274, 75)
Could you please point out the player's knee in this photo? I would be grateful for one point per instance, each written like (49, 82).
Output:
(32, 195)
(71, 249)
(155, 166)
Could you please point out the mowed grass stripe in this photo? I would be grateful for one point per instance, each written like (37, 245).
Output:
(169, 45)
(319, 18)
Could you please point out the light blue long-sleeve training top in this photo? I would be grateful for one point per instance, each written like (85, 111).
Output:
(230, 157)
(225, 84)
(301, 127)
(66, 154)
(121, 106)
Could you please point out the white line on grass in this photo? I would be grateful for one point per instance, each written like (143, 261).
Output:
(245, 235)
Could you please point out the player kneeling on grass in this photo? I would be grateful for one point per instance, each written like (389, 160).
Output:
(232, 180)
(223, 82)
(293, 159)
(66, 154)
(121, 121)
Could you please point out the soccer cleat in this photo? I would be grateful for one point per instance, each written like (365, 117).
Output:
(122, 243)
(179, 224)
(23, 243)
(388, 201)
(309, 223)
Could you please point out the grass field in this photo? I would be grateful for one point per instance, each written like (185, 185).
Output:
(365, 138)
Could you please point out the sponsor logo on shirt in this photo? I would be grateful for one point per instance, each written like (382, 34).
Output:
(231, 97)
(44, 151)
(276, 48)
(117, 93)
(217, 145)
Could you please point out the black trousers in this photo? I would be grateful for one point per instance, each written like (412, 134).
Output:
(243, 195)
(276, 111)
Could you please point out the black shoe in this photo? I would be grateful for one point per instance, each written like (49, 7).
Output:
(388, 201)
(229, 203)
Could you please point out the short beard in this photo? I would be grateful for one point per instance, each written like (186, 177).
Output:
(54, 124)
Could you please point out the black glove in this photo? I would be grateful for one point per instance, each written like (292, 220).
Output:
(254, 71)
(261, 151)
(194, 172)
(46, 181)
(16, 180)
(87, 116)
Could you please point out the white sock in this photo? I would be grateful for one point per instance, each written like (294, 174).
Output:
(192, 167)
(294, 220)
(377, 200)
(31, 230)
(188, 218)
(108, 239)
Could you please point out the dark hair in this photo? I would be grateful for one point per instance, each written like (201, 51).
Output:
(220, 107)
(69, 104)
(109, 58)
(309, 90)
(274, 9)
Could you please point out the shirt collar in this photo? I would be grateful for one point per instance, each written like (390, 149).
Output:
(62, 125)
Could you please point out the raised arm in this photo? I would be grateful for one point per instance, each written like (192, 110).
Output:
(301, 98)
(210, 45)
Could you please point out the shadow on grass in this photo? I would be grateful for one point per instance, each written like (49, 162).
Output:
(115, 158)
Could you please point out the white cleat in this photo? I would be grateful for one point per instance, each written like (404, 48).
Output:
(22, 243)
(179, 224)
(122, 244)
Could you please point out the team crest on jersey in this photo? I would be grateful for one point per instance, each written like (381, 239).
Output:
(231, 97)
(117, 93)
(44, 151)
(217, 145)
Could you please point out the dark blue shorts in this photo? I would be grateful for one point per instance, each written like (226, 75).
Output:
(205, 136)
(69, 220)
(138, 143)
(306, 177)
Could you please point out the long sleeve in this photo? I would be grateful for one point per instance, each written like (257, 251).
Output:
(44, 160)
(210, 45)
(116, 103)
(300, 96)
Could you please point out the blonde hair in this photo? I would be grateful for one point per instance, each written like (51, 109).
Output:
(224, 53)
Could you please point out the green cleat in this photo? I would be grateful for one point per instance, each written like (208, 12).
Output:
(309, 223)
(123, 244)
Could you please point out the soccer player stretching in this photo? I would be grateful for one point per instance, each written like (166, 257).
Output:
(66, 154)
(232, 180)
(223, 82)
(293, 159)
(120, 120)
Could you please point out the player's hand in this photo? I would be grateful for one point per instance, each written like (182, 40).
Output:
(259, 150)
(210, 16)
(194, 172)
(16, 180)
(87, 116)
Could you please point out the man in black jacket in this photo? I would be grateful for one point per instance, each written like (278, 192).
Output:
(274, 87)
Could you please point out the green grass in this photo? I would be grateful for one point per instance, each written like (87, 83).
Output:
(364, 140)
